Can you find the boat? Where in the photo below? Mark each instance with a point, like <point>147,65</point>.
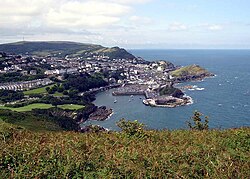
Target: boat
<point>115,101</point>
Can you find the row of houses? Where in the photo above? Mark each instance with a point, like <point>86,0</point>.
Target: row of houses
<point>61,71</point>
<point>25,85</point>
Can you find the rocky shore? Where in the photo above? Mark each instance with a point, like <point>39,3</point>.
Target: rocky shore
<point>100,114</point>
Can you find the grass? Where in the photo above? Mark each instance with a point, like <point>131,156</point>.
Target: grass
<point>41,90</point>
<point>29,107</point>
<point>57,94</point>
<point>71,106</point>
<point>162,154</point>
<point>189,70</point>
<point>43,106</point>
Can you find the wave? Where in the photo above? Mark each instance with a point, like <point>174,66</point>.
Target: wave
<point>199,89</point>
<point>190,100</point>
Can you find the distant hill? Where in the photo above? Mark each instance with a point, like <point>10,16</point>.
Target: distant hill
<point>63,48</point>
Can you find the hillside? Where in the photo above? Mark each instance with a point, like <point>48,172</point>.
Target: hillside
<point>61,49</point>
<point>191,72</point>
<point>159,154</point>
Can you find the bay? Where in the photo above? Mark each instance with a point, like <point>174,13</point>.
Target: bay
<point>225,98</point>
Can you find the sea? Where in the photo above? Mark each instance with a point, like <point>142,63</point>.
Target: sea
<point>225,98</point>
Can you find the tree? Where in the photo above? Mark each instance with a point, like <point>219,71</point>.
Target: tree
<point>65,92</point>
<point>73,93</point>
<point>197,122</point>
<point>60,89</point>
<point>47,89</point>
<point>50,91</point>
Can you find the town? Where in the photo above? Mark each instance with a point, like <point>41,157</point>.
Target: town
<point>132,76</point>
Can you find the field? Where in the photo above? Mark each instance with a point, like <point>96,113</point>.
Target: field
<point>43,106</point>
<point>41,90</point>
<point>57,94</point>
<point>160,154</point>
<point>29,107</point>
<point>70,106</point>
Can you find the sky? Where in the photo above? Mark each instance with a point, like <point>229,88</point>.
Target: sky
<point>151,24</point>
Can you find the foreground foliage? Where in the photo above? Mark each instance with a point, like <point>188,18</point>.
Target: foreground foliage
<point>173,154</point>
<point>197,123</point>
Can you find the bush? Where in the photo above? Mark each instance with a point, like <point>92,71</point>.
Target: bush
<point>131,128</point>
<point>65,92</point>
<point>197,120</point>
<point>60,89</point>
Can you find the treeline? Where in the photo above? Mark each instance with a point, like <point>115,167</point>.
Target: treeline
<point>17,76</point>
<point>84,82</point>
<point>10,96</point>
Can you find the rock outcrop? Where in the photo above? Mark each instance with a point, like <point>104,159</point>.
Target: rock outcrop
<point>100,114</point>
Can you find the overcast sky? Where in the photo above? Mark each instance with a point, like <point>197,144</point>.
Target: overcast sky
<point>129,23</point>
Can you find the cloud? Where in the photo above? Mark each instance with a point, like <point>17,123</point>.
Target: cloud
<point>140,20</point>
<point>176,26</point>
<point>62,16</point>
<point>215,27</point>
<point>211,27</point>
<point>86,14</point>
<point>129,1</point>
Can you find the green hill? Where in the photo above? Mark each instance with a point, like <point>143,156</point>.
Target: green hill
<point>190,72</point>
<point>155,154</point>
<point>62,48</point>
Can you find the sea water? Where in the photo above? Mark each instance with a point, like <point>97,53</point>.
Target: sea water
<point>225,98</point>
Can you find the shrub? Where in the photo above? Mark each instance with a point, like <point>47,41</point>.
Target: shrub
<point>131,128</point>
<point>65,92</point>
<point>197,122</point>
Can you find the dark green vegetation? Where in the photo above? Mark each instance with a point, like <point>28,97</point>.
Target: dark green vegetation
<point>172,91</point>
<point>197,122</point>
<point>17,76</point>
<point>61,49</point>
<point>84,82</point>
<point>9,96</point>
<point>30,121</point>
<point>43,119</point>
<point>156,154</point>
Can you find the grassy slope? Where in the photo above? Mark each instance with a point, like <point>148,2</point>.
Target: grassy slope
<point>41,90</point>
<point>170,154</point>
<point>30,122</point>
<point>189,70</point>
